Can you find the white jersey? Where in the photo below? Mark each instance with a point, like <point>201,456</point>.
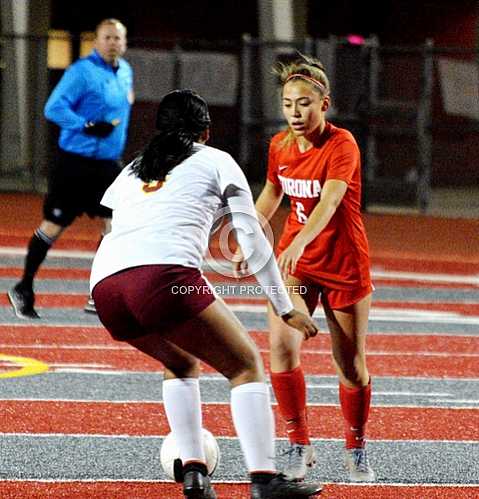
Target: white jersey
<point>170,222</point>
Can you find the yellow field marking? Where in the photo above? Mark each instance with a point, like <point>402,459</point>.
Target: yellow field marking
<point>29,367</point>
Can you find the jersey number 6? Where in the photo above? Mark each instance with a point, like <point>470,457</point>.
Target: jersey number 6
<point>300,215</point>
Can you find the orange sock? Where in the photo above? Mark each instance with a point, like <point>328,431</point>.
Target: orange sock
<point>290,391</point>
<point>355,403</point>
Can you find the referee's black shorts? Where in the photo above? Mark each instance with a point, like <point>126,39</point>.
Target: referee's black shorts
<point>76,185</point>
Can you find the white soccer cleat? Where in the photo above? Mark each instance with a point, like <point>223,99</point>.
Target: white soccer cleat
<point>90,306</point>
<point>357,464</point>
<point>300,458</point>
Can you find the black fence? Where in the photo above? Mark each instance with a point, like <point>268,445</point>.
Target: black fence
<point>412,109</point>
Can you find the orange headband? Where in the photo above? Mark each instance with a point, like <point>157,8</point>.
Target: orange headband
<point>307,78</point>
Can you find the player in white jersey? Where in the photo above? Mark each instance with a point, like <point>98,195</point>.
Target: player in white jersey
<point>164,206</point>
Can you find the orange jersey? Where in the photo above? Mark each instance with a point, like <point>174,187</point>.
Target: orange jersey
<point>339,256</point>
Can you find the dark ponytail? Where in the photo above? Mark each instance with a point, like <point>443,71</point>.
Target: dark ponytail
<point>181,118</point>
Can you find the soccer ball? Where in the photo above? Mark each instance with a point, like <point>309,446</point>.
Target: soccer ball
<point>169,452</point>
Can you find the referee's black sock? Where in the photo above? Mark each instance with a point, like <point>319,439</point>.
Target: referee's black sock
<point>38,248</point>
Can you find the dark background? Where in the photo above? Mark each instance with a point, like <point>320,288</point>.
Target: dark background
<point>449,22</point>
<point>397,23</point>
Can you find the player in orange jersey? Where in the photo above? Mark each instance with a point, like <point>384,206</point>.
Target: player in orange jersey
<point>323,249</point>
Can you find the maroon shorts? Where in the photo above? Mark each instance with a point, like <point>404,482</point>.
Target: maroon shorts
<point>150,298</point>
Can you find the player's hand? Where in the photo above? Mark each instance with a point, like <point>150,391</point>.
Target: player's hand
<point>99,128</point>
<point>302,322</point>
<point>240,265</point>
<point>288,259</point>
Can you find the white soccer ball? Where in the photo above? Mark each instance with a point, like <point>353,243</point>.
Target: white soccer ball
<point>169,452</point>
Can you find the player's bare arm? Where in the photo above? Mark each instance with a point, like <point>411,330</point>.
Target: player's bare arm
<point>268,201</point>
<point>331,196</point>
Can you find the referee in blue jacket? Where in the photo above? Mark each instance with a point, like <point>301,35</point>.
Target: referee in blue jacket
<point>91,104</point>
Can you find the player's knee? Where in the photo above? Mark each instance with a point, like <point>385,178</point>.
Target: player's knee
<point>283,348</point>
<point>353,370</point>
<point>51,229</point>
<point>248,369</point>
<point>186,369</point>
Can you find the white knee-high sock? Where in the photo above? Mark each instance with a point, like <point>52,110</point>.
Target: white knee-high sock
<point>181,397</point>
<point>254,424</point>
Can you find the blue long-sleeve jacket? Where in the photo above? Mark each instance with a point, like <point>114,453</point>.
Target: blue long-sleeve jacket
<point>91,90</point>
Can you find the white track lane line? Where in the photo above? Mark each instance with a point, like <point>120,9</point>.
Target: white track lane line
<point>473,403</point>
<point>239,482</point>
<point>379,273</point>
<point>381,353</point>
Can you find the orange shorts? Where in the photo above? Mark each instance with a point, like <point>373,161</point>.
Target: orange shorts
<point>338,298</point>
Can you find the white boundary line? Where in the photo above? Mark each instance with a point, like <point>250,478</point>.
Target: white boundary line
<point>16,251</point>
<point>56,346</point>
<point>219,437</point>
<point>113,372</point>
<point>226,403</point>
<point>234,482</point>
<point>382,314</point>
<point>419,276</point>
<point>377,315</point>
<point>379,273</point>
<point>334,379</point>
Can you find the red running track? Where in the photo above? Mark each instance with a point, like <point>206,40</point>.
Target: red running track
<point>313,363</point>
<point>148,418</point>
<point>389,355</point>
<point>148,490</point>
<point>64,336</point>
<point>422,244</point>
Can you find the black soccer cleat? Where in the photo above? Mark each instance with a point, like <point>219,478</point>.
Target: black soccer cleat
<point>22,301</point>
<point>178,470</point>
<point>282,488</point>
<point>197,486</point>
